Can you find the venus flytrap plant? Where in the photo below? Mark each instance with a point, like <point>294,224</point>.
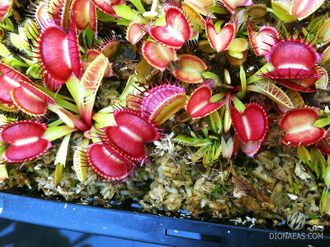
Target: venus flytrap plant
<point>20,136</point>
<point>325,202</point>
<point>293,72</point>
<point>191,69</point>
<point>220,39</point>
<point>290,11</point>
<point>227,147</point>
<point>323,35</point>
<point>157,55</point>
<point>20,42</point>
<point>299,126</point>
<point>20,91</point>
<point>288,70</point>
<point>159,103</point>
<point>325,55</point>
<point>119,132</point>
<point>58,67</point>
<point>122,145</point>
<point>305,157</point>
<point>318,162</point>
<point>263,40</point>
<point>199,103</point>
<point>89,85</point>
<point>84,15</point>
<point>251,125</point>
<point>281,8</point>
<point>237,55</point>
<point>176,31</point>
<point>135,32</point>
<point>210,146</point>
<point>3,170</point>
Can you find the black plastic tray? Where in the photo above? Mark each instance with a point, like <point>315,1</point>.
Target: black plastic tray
<point>131,223</point>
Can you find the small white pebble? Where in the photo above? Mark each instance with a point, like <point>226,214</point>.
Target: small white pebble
<point>293,197</point>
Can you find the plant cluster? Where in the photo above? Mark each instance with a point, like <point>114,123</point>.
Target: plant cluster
<point>62,63</point>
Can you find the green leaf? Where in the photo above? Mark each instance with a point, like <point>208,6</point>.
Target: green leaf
<point>216,122</point>
<point>318,161</point>
<point>53,133</point>
<point>104,119</point>
<point>238,104</point>
<point>202,142</point>
<point>7,24</point>
<point>200,153</point>
<point>326,175</point>
<point>55,123</point>
<point>210,75</point>
<point>303,154</point>
<point>80,162</point>
<point>242,76</point>
<point>3,168</point>
<point>131,87</point>
<point>189,141</point>
<point>13,62</point>
<point>322,122</point>
<point>4,52</point>
<point>314,24</point>
<point>218,25</point>
<point>127,13</point>
<point>325,202</point>
<point>218,10</point>
<point>33,71</point>
<point>88,37</point>
<point>218,148</point>
<point>319,166</point>
<point>20,40</point>
<point>266,68</point>
<point>138,4</point>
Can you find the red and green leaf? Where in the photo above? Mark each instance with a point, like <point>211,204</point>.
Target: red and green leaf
<point>220,40</point>
<point>127,138</point>
<point>157,55</point>
<point>263,40</point>
<point>252,124</point>
<point>25,141</point>
<point>191,69</point>
<point>199,103</point>
<point>298,125</point>
<point>177,30</point>
<point>108,163</point>
<point>84,15</point>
